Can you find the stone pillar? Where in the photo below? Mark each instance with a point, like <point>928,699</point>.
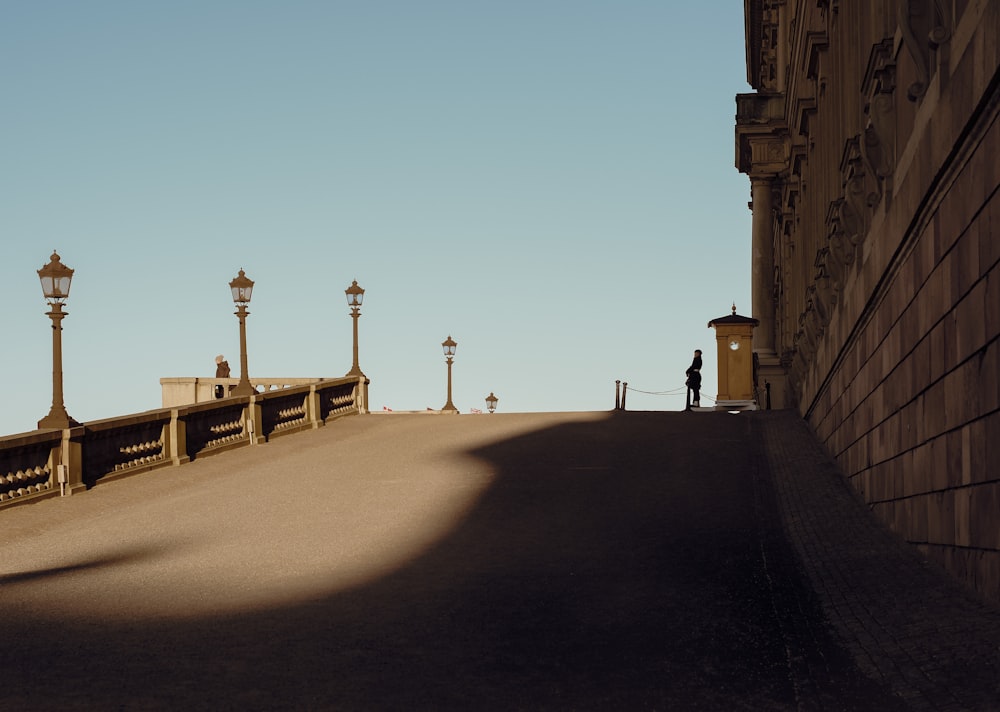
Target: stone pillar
<point>175,438</point>
<point>254,421</point>
<point>762,267</point>
<point>763,154</point>
<point>363,404</point>
<point>67,461</point>
<point>314,410</point>
<point>770,373</point>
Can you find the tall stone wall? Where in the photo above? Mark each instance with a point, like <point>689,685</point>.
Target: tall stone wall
<point>885,239</point>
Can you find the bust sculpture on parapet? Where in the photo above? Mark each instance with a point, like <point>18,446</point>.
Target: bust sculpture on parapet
<point>221,371</point>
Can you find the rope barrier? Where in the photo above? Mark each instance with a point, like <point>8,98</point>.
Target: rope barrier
<point>674,392</point>
<point>682,391</point>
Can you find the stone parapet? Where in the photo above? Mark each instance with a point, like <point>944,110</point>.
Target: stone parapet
<point>47,463</point>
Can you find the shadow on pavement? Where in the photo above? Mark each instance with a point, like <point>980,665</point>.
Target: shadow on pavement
<point>630,563</point>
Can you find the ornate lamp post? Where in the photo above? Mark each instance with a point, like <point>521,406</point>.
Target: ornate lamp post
<point>491,402</point>
<point>449,353</point>
<point>242,288</point>
<point>355,295</point>
<point>56,278</point>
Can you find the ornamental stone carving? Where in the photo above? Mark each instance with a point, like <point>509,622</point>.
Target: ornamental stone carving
<point>826,295</point>
<point>796,374</point>
<point>768,151</point>
<point>817,43</point>
<point>858,193</point>
<point>828,10</point>
<point>805,111</point>
<point>924,25</point>
<point>761,134</point>
<point>820,317</point>
<point>769,38</point>
<point>810,332</point>
<point>878,144</point>
<point>840,250</point>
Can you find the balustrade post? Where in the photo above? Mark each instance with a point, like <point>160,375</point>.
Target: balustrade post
<point>361,397</point>
<point>254,421</point>
<point>66,462</point>
<point>175,439</point>
<point>313,409</point>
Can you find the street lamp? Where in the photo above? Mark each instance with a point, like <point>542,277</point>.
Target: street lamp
<point>491,402</point>
<point>355,295</point>
<point>56,278</point>
<point>449,353</point>
<point>242,288</point>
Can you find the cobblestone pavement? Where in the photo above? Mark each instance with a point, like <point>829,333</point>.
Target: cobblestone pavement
<point>903,620</point>
<point>563,561</point>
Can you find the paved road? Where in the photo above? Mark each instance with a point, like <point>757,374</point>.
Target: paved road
<point>574,561</point>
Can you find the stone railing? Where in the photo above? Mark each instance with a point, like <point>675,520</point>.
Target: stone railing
<point>46,463</point>
<point>187,390</point>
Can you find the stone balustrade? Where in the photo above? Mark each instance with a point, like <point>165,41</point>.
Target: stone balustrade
<point>45,463</point>
<point>187,390</point>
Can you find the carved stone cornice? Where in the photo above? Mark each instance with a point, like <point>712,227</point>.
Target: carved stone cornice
<point>880,75</point>
<point>790,193</point>
<point>816,45</point>
<point>805,110</point>
<point>753,16</point>
<point>761,18</point>
<point>798,160</point>
<point>761,134</point>
<point>768,70</point>
<point>759,109</point>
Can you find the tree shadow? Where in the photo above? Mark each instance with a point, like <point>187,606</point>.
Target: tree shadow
<point>612,564</point>
<point>35,575</point>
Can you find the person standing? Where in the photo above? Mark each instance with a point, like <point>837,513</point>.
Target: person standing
<point>693,381</point>
<point>221,371</point>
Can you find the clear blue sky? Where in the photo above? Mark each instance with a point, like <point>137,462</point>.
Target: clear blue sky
<point>550,182</point>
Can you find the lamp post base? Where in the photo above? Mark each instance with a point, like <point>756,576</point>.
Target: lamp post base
<point>243,389</point>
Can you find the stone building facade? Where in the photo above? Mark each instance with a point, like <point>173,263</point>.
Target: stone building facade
<point>872,145</point>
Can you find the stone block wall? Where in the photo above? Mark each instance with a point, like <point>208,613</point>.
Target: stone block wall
<point>910,402</point>
<point>882,214</point>
<point>913,413</point>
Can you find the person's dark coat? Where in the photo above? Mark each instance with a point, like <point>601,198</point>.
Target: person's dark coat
<point>694,374</point>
